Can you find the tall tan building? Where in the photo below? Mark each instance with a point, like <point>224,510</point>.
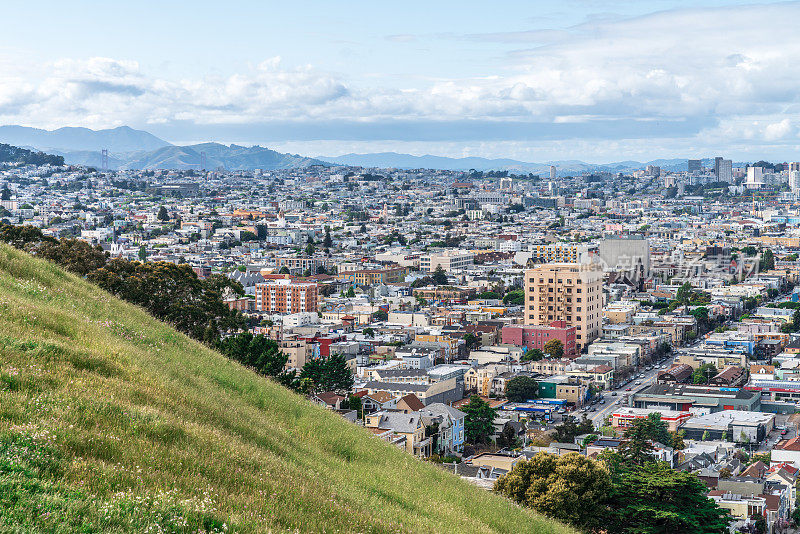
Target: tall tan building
<point>570,292</point>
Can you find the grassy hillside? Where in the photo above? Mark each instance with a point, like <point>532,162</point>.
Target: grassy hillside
<point>112,421</point>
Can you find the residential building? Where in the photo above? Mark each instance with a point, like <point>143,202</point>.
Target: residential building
<point>286,296</point>
<point>567,292</point>
<point>448,260</point>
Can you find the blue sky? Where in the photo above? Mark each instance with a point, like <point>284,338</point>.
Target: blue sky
<point>532,80</point>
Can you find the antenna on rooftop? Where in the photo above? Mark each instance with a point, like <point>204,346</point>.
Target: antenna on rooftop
<point>202,161</point>
<point>104,159</point>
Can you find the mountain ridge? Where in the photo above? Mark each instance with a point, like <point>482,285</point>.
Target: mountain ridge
<point>69,138</point>
<point>138,149</point>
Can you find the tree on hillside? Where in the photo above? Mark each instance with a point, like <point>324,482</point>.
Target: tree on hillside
<point>684,294</point>
<point>74,255</point>
<point>259,352</point>
<point>554,348</point>
<point>507,438</point>
<point>328,374</point>
<point>5,194</point>
<point>173,293</point>
<point>521,389</point>
<point>142,254</point>
<point>328,241</point>
<point>570,488</point>
<point>472,341</point>
<point>478,421</point>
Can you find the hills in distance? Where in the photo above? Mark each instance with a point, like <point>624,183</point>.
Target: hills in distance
<point>137,149</point>
<point>112,421</point>
<point>564,167</point>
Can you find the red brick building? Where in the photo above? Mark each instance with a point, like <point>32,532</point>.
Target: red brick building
<point>535,336</point>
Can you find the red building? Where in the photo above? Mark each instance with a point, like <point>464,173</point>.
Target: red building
<point>535,336</point>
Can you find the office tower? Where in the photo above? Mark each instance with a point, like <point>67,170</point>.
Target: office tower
<point>694,165</point>
<point>794,166</point>
<point>794,181</point>
<point>552,172</point>
<point>755,177</point>
<point>725,171</point>
<point>569,292</point>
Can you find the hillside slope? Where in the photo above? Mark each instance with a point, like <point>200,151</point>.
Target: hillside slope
<point>112,421</point>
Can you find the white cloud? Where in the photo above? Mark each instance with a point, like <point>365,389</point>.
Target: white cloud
<point>726,75</point>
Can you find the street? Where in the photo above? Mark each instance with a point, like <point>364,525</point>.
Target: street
<point>612,402</point>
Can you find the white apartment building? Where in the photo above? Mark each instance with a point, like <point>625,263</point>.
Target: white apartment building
<point>449,260</point>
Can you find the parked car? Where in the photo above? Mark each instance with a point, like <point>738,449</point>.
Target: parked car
<point>614,394</point>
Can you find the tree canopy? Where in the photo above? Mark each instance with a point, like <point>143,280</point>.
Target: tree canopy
<point>328,374</point>
<point>522,388</point>
<point>478,421</point>
<point>571,488</point>
<point>554,348</point>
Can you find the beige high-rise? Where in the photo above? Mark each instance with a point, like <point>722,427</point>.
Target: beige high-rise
<point>570,292</point>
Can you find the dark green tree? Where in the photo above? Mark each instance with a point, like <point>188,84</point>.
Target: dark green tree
<point>684,294</point>
<point>533,355</point>
<point>637,448</point>
<point>514,298</point>
<point>439,276</point>
<point>767,261</point>
<point>571,427</point>
<point>507,438</point>
<point>162,214</point>
<point>173,293</point>
<point>521,389</point>
<point>259,352</point>
<point>704,373</point>
<point>478,420</point>
<point>472,341</point>
<point>655,499</point>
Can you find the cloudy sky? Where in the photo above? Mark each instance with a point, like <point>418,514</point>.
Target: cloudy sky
<point>538,80</point>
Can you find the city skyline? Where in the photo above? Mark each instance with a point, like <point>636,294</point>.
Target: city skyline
<point>599,82</point>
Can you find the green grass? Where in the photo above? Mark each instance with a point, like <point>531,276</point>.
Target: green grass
<point>113,421</point>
